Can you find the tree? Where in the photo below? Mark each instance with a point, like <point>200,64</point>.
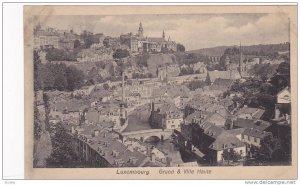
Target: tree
<point>63,154</point>
<point>60,82</point>
<point>186,71</point>
<point>77,44</point>
<point>106,86</point>
<point>208,80</point>
<point>120,53</point>
<point>36,77</point>
<point>231,155</point>
<point>74,78</point>
<point>180,47</point>
<point>37,123</point>
<point>55,54</point>
<point>92,75</point>
<point>87,38</point>
<point>271,149</point>
<point>195,84</point>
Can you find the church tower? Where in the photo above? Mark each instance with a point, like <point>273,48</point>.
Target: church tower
<point>141,31</point>
<point>163,34</point>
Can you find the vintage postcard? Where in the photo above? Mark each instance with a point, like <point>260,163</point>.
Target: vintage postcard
<point>161,92</point>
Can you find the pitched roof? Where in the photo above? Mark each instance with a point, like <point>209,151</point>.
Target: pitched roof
<point>226,140</point>
<point>171,91</point>
<point>223,82</point>
<point>256,113</point>
<point>213,131</point>
<point>111,149</point>
<point>284,89</point>
<point>170,110</point>
<point>197,114</point>
<point>156,39</point>
<point>249,123</point>
<point>256,132</point>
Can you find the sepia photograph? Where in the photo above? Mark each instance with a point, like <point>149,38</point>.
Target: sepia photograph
<point>139,91</point>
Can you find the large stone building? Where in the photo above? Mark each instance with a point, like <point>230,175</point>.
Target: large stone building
<point>139,43</point>
<point>52,38</point>
<point>167,116</point>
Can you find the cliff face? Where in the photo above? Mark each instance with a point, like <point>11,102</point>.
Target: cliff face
<point>153,61</point>
<point>159,59</point>
<point>42,141</point>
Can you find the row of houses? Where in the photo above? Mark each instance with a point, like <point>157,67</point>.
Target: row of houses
<point>98,146</point>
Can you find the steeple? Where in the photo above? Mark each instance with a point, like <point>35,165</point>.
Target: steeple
<point>141,30</point>
<point>163,34</point>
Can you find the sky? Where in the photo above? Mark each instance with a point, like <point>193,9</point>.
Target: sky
<point>194,31</point>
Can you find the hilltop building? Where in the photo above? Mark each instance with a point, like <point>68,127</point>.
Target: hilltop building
<point>52,38</point>
<point>139,43</point>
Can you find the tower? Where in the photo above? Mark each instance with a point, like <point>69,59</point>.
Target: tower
<point>163,34</point>
<point>240,61</point>
<point>141,30</point>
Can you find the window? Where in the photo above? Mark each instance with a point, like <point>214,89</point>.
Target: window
<point>255,140</point>
<point>172,126</point>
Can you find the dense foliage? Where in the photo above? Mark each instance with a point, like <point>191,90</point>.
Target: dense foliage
<point>180,47</point>
<point>231,155</point>
<point>56,76</point>
<point>63,154</point>
<point>120,53</point>
<point>54,54</point>
<point>195,84</point>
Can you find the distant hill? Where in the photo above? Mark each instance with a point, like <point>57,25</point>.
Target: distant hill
<point>215,51</point>
<point>250,50</point>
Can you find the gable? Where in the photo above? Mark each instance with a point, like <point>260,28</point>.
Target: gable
<point>284,96</point>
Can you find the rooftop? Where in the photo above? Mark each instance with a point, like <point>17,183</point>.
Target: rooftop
<point>255,113</point>
<point>256,132</point>
<point>107,145</point>
<point>226,140</point>
<point>249,123</point>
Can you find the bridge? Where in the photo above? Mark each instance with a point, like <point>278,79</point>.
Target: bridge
<point>143,135</point>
